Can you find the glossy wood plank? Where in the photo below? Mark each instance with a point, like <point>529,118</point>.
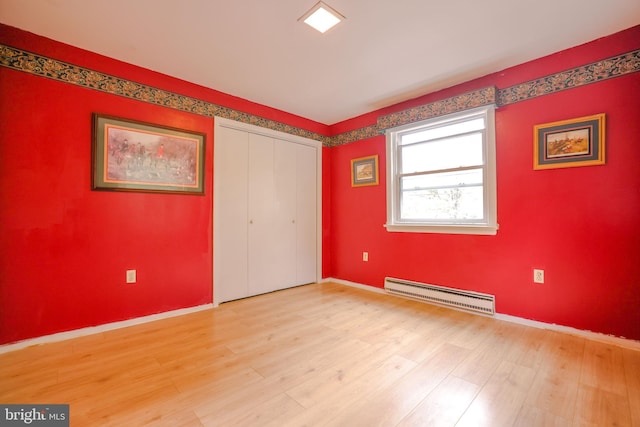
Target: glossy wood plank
<point>632,375</point>
<point>329,355</point>
<point>444,405</point>
<point>599,407</point>
<point>555,388</point>
<point>603,361</point>
<point>390,405</point>
<point>501,398</point>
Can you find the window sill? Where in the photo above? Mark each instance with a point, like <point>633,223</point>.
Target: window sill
<point>488,230</point>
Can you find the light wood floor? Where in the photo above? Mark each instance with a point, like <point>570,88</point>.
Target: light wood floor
<point>329,355</point>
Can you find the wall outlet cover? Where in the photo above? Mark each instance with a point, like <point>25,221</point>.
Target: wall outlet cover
<point>131,276</point>
<point>538,276</point>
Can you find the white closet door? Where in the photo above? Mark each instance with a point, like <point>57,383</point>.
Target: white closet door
<point>306,202</point>
<point>230,251</point>
<point>261,215</point>
<point>266,215</point>
<point>283,241</point>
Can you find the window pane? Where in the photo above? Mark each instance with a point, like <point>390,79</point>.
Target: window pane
<point>440,196</point>
<point>442,131</point>
<point>447,153</point>
<point>458,203</point>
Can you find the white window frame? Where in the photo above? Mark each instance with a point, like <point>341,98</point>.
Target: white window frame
<point>488,225</point>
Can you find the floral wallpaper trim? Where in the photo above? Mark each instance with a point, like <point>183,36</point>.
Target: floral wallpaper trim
<point>591,73</point>
<point>466,101</point>
<point>28,62</point>
<point>612,67</point>
<point>605,69</point>
<point>355,135</point>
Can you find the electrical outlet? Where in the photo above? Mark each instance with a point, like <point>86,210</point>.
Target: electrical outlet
<point>131,276</point>
<point>365,256</point>
<point>538,276</point>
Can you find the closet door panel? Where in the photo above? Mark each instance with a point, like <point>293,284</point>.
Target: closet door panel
<point>306,201</point>
<point>283,242</point>
<point>262,214</point>
<point>231,266</point>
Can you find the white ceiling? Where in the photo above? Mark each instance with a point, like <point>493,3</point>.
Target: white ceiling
<point>384,53</point>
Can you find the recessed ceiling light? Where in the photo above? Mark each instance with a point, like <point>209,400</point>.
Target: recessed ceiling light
<point>322,17</point>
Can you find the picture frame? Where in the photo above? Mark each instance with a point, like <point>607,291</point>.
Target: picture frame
<point>129,155</point>
<point>364,171</point>
<point>569,143</point>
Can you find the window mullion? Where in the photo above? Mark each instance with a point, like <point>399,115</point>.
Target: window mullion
<point>440,187</point>
<point>438,171</point>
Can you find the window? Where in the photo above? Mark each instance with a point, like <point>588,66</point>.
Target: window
<point>441,175</point>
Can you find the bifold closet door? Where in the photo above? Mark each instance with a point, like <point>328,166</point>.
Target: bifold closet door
<point>306,202</point>
<point>231,266</point>
<point>272,210</point>
<point>285,221</point>
<point>265,214</point>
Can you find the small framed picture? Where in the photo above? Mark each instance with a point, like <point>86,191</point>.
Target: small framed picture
<point>569,143</point>
<point>135,156</point>
<point>364,171</point>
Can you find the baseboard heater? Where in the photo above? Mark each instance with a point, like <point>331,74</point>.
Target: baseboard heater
<point>466,300</point>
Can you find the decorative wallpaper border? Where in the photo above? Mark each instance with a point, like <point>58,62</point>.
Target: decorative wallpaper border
<point>605,69</point>
<point>355,135</point>
<point>32,63</point>
<point>466,101</point>
<point>612,67</point>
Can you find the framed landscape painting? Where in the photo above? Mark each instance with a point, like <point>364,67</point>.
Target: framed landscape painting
<point>134,156</point>
<point>569,143</point>
<point>364,171</point>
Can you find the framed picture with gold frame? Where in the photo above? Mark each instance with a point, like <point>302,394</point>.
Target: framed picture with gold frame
<point>364,171</point>
<point>129,155</point>
<point>569,143</point>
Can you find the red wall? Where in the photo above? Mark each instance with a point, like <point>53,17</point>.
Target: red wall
<point>578,224</point>
<point>64,249</point>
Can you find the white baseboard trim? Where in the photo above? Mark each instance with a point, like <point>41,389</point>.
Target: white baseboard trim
<point>62,336</point>
<point>354,285</point>
<point>590,335</point>
<point>594,336</point>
